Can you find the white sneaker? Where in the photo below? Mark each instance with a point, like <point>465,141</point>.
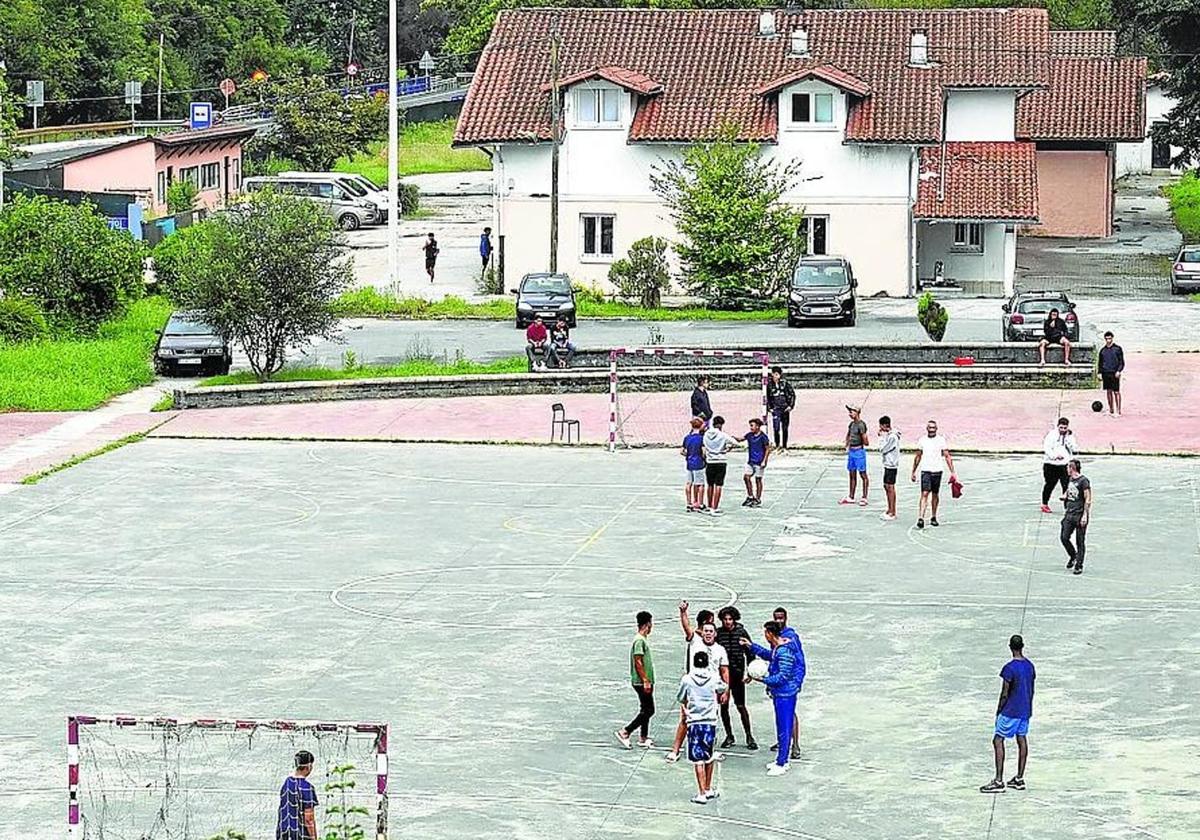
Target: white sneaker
<point>777,770</point>
<point>716,513</point>
<point>646,744</point>
<point>712,794</point>
<point>624,739</point>
<point>672,757</point>
<point>699,799</point>
<point>718,756</point>
<point>887,517</point>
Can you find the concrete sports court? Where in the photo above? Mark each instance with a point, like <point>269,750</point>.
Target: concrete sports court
<point>480,599</point>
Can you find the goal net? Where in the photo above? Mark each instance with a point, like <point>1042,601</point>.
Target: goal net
<point>134,778</point>
<point>650,391</point>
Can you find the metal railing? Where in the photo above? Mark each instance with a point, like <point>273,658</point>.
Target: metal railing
<point>57,133</point>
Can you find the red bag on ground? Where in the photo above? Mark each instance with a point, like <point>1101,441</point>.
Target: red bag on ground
<point>955,487</point>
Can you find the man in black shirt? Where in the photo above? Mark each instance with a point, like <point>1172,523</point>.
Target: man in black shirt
<point>700,406</point>
<point>781,399</point>
<point>1055,335</point>
<point>729,631</point>
<point>1112,362</point>
<point>1077,510</point>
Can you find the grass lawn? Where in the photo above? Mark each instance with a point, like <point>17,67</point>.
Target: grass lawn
<point>1184,196</point>
<point>415,367</point>
<point>424,147</point>
<point>370,302</point>
<point>76,374</point>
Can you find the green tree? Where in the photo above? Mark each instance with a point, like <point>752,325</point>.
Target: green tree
<point>8,122</point>
<point>266,276</point>
<point>740,241</point>
<point>642,275</point>
<point>932,316</point>
<point>67,260</point>
<point>315,125</point>
<point>181,197</point>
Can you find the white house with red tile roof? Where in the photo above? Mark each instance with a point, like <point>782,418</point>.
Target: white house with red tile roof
<point>923,136</point>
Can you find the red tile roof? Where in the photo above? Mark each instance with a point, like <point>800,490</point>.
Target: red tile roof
<point>1083,43</point>
<point>825,72</point>
<point>983,182</point>
<point>1099,99</point>
<point>712,63</point>
<point>631,80</point>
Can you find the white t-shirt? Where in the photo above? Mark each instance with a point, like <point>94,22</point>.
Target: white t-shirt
<point>716,444</point>
<point>717,657</point>
<point>931,453</point>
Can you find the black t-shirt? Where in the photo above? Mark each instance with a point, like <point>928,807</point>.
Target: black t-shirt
<point>728,639</point>
<point>1075,500</point>
<point>1056,330</point>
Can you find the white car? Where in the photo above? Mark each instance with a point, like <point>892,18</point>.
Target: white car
<point>355,184</point>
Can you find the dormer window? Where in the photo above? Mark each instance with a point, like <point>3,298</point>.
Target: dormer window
<point>799,42</point>
<point>598,106</point>
<point>812,108</point>
<point>918,49</point>
<point>766,24</point>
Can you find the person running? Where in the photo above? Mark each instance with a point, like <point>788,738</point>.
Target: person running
<point>641,675</point>
<point>781,399</point>
<point>730,632</point>
<point>485,248</point>
<point>1054,334</point>
<point>1077,510</point>
<point>698,695</point>
<point>1058,447</point>
<point>298,802</point>
<point>783,680</point>
<point>759,446</point>
<point>780,616</point>
<point>693,453</point>
<point>1012,716</point>
<point>1112,362</point>
<point>431,254</point>
<point>931,451</point>
<point>703,640</point>
<point>856,456</point>
<point>717,444</point>
<point>889,454</point>
<point>701,407</point>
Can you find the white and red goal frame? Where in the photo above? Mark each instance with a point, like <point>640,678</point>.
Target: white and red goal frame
<point>379,731</point>
<point>615,355</point>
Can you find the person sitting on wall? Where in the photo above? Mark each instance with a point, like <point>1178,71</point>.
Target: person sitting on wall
<point>1055,336</point>
<point>562,351</point>
<point>536,348</point>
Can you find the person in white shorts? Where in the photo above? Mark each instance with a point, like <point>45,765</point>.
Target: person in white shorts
<point>932,450</point>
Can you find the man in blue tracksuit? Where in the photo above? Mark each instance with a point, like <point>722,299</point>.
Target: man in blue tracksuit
<point>784,678</point>
<point>780,615</point>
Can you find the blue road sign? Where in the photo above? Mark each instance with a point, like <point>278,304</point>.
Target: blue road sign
<point>200,115</point>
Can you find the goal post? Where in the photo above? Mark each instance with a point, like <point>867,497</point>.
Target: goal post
<point>131,776</point>
<point>660,358</point>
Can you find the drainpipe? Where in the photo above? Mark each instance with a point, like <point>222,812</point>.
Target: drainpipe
<point>912,225</point>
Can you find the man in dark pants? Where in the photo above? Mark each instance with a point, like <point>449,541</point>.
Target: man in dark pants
<point>485,247</point>
<point>641,675</point>
<point>729,633</point>
<point>1112,362</point>
<point>1077,511</point>
<point>700,405</point>
<point>1012,716</point>
<point>781,399</point>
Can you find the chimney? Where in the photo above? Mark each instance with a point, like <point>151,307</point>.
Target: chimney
<point>766,24</point>
<point>799,42</point>
<point>918,49</point>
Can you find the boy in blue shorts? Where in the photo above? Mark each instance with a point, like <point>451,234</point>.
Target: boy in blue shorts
<point>1012,716</point>
<point>693,453</point>
<point>759,446</point>
<point>856,456</point>
<point>698,693</point>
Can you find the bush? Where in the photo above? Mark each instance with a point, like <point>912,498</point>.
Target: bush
<point>67,260</point>
<point>933,316</point>
<point>642,276</point>
<point>408,198</point>
<point>488,283</point>
<point>268,166</point>
<point>181,197</point>
<point>1184,196</point>
<point>21,320</point>
<point>175,252</point>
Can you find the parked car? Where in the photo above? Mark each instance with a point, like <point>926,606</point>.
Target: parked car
<point>356,184</point>
<point>1185,274</point>
<point>822,290</point>
<point>546,297</point>
<point>1025,315</point>
<point>187,345</point>
<point>351,211</point>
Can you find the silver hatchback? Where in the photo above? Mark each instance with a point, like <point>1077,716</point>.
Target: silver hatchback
<point>1185,273</point>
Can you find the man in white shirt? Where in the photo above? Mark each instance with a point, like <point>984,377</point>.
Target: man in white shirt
<point>702,638</point>
<point>716,444</point>
<point>1058,448</point>
<point>931,451</point>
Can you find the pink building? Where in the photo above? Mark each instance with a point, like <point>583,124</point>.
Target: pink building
<point>143,166</point>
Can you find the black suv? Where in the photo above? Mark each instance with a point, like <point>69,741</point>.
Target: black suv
<point>822,289</point>
<point>1025,315</point>
<point>546,297</point>
<point>187,345</point>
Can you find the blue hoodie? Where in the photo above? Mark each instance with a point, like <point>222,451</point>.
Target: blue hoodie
<point>785,675</point>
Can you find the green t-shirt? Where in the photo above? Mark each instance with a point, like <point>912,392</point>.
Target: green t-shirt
<point>640,648</point>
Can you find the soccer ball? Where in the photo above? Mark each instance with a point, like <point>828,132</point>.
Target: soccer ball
<point>757,668</point>
<point>1097,405</point>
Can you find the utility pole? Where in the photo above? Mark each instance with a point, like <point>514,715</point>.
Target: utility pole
<point>160,71</point>
<point>350,49</point>
<point>555,138</point>
<point>393,230</point>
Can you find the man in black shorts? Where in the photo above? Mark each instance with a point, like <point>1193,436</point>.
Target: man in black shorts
<point>729,631</point>
<point>716,444</point>
<point>1112,362</point>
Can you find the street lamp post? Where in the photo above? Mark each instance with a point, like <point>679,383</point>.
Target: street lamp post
<point>393,230</point>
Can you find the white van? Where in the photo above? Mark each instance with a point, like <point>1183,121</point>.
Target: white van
<point>355,183</point>
<point>350,209</point>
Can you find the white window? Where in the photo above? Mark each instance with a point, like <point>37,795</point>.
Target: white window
<point>162,187</point>
<point>812,108</point>
<point>968,236</point>
<point>190,173</point>
<point>210,176</point>
<point>597,236</point>
<point>918,50</point>
<point>237,173</point>
<point>814,231</point>
<point>598,106</point>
